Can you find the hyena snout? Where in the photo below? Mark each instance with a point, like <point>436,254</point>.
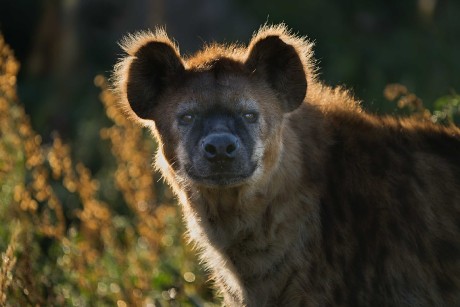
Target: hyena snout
<point>218,147</point>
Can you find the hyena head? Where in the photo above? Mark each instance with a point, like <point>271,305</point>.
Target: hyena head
<point>218,114</point>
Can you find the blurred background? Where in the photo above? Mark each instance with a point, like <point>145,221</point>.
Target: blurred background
<point>364,45</point>
<point>85,221</point>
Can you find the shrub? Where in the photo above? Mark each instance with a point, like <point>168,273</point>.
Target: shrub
<point>63,243</point>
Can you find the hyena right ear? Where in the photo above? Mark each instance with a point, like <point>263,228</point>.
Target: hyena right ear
<point>143,76</point>
<point>281,60</point>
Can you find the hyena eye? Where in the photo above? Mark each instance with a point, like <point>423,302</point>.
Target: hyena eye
<point>186,119</point>
<point>250,117</point>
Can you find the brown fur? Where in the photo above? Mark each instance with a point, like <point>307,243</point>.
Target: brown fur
<point>344,208</point>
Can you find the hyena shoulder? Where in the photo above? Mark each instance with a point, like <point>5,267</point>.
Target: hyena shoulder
<point>293,194</point>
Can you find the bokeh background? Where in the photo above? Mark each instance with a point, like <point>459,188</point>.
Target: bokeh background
<point>364,45</point>
<point>115,235</point>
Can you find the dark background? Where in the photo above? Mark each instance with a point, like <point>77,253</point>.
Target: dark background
<point>128,256</point>
<point>364,45</point>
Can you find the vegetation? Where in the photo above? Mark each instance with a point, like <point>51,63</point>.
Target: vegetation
<point>84,220</point>
<point>62,243</point>
<point>446,108</point>
<point>69,237</point>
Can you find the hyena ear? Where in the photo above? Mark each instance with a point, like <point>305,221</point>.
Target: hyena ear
<point>279,64</point>
<point>148,71</point>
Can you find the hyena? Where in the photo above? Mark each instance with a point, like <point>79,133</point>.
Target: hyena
<point>293,194</point>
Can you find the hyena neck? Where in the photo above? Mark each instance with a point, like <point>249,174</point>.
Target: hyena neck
<point>251,232</point>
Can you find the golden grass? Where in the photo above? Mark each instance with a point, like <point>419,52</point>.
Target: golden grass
<point>446,108</point>
<point>7,264</point>
<point>72,247</point>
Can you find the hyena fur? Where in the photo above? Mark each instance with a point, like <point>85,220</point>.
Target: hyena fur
<point>294,195</point>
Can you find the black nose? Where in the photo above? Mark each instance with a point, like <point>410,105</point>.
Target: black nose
<point>220,146</point>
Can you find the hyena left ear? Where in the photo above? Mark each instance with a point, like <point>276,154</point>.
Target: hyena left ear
<point>145,74</point>
<point>279,64</point>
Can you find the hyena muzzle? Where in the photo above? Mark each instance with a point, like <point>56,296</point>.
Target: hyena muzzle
<point>294,195</point>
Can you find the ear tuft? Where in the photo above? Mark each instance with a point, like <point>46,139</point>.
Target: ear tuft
<point>282,60</point>
<point>141,77</point>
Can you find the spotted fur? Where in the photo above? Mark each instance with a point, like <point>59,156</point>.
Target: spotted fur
<point>344,208</point>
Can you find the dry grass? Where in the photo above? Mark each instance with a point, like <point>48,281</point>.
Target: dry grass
<point>7,265</point>
<point>72,247</point>
<point>446,108</point>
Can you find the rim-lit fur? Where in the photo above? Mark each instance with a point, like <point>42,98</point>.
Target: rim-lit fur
<point>344,209</point>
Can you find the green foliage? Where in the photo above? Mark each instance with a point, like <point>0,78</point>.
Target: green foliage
<point>447,109</point>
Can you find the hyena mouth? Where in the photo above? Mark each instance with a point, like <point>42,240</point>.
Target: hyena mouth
<point>221,178</point>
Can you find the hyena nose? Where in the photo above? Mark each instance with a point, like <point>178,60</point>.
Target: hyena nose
<point>220,146</point>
